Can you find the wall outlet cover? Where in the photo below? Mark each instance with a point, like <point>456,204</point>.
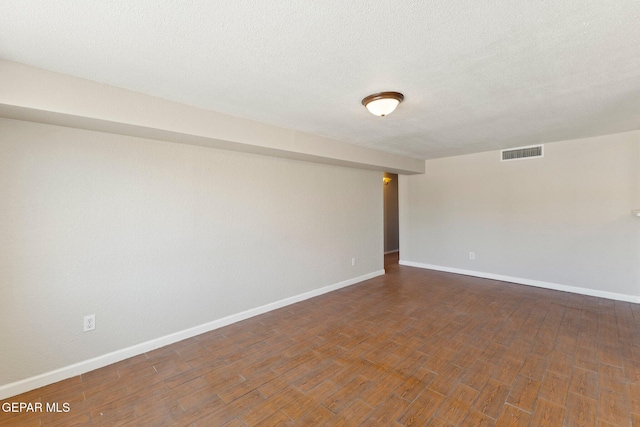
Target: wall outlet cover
<point>89,322</point>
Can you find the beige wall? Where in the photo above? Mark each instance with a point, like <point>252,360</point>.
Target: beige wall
<point>564,219</point>
<point>155,237</point>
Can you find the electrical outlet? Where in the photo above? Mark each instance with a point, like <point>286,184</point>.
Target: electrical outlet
<point>472,255</point>
<point>353,261</point>
<point>89,322</point>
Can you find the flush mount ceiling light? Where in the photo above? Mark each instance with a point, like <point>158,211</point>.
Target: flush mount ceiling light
<point>383,103</point>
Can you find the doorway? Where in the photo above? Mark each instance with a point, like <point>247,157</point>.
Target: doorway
<point>391,219</point>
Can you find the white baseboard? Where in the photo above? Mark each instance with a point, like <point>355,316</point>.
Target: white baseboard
<point>528,282</point>
<point>51,377</point>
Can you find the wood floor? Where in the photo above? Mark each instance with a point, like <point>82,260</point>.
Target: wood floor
<point>414,347</point>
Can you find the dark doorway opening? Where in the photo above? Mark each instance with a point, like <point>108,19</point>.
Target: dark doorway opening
<point>391,218</point>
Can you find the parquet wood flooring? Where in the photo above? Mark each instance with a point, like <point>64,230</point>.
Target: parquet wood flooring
<point>411,348</point>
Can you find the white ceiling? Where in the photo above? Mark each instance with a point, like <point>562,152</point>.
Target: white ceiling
<point>476,75</point>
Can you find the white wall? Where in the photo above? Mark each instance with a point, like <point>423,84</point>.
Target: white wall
<point>155,237</point>
<point>560,221</point>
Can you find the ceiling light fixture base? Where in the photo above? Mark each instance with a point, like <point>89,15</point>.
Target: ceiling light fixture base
<point>382,103</point>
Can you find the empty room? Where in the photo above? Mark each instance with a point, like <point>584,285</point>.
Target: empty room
<point>305,213</point>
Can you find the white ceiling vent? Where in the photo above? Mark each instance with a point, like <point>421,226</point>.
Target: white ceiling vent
<point>521,153</point>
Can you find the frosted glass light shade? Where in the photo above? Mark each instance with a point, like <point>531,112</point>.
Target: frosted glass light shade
<point>383,103</point>
<point>382,107</point>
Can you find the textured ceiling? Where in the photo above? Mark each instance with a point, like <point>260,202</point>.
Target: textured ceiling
<point>476,75</point>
